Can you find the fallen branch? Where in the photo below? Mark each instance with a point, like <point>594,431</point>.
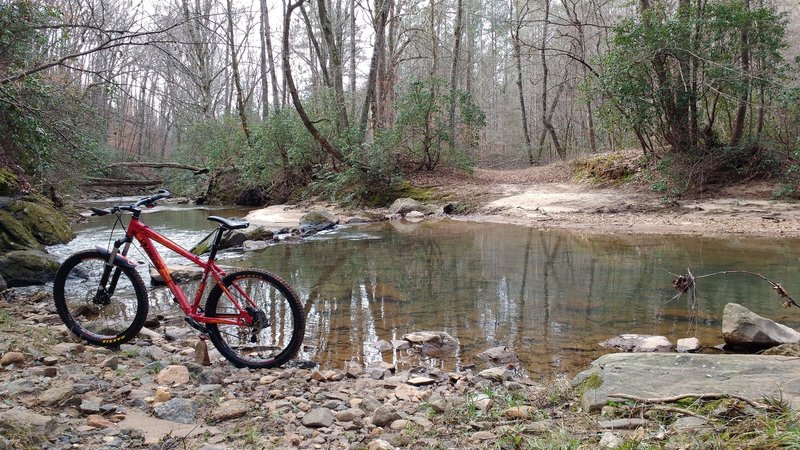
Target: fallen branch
<point>159,165</point>
<point>684,283</point>
<point>122,181</point>
<point>675,398</point>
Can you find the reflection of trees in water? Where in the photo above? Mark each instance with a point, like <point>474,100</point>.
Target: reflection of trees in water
<point>552,295</point>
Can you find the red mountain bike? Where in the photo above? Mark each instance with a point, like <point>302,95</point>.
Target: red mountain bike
<point>253,317</point>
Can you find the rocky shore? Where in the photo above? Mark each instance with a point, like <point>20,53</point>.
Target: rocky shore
<point>166,389</point>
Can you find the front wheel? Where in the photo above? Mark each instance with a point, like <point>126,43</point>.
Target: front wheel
<point>103,314</point>
<point>278,322</point>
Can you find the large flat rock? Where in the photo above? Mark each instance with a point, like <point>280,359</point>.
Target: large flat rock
<point>654,375</point>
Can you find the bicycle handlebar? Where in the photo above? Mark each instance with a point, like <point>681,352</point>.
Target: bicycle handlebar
<point>147,202</point>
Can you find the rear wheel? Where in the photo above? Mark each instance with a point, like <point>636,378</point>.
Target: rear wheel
<point>278,324</point>
<point>101,315</point>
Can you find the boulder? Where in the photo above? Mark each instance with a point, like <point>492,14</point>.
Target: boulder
<point>404,206</point>
<point>433,343</point>
<point>688,345</point>
<point>230,239</point>
<point>27,267</point>
<point>499,355</point>
<point>317,220</point>
<point>638,343</point>
<point>14,235</point>
<point>744,328</point>
<point>45,223</point>
<point>179,274</point>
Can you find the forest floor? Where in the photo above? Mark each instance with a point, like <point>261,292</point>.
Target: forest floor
<point>549,196</point>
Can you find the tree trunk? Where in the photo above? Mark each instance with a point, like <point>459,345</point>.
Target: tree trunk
<point>264,68</point>
<point>327,147</point>
<point>547,112</point>
<point>457,31</point>
<point>336,64</point>
<point>517,45</point>
<point>741,110</point>
<point>240,103</point>
<point>353,62</point>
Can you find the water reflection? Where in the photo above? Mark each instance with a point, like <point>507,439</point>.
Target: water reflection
<point>552,295</point>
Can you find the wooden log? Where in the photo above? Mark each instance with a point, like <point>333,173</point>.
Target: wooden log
<point>121,181</point>
<point>160,165</point>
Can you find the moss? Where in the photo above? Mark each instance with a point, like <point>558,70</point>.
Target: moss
<point>8,182</point>
<point>590,383</point>
<point>14,234</point>
<point>47,225</point>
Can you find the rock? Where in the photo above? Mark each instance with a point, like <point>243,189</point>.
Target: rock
<point>181,410</point>
<point>499,355</point>
<point>437,402</point>
<point>379,444</point>
<point>610,440</point>
<point>259,233</point>
<point>384,415</point>
<point>420,381</point>
<point>254,246</point>
<point>14,235</point>
<point>178,273</point>
<point>316,221</point>
<point>16,358</point>
<point>688,345</point>
<point>403,206</point>
<point>201,353</point>
<point>230,409</point>
<point>743,328</point>
<point>37,214</point>
<point>27,267</point>
<point>91,405</point>
<point>230,239</point>
<point>433,343</point>
<point>56,396</point>
<point>3,284</point>
<point>19,417</point>
<point>783,350</point>
<point>520,412</point>
<point>97,421</point>
<point>495,373</point>
<point>638,343</point>
<point>318,417</point>
<point>173,375</point>
<point>349,414</point>
<point>655,375</point>
<point>112,362</point>
<point>382,346</point>
<point>690,424</point>
<point>161,395</point>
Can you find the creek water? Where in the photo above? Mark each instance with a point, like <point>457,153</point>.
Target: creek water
<point>552,295</point>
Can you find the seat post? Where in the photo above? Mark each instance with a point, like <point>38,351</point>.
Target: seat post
<point>215,244</point>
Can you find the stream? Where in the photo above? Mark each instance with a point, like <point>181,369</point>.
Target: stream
<point>551,295</point>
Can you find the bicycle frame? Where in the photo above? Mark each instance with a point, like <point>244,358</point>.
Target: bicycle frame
<point>145,236</point>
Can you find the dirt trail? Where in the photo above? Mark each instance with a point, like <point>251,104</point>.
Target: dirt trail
<point>536,197</point>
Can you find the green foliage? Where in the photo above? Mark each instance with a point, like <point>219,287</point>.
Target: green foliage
<point>648,74</point>
<point>422,125</point>
<point>46,127</point>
